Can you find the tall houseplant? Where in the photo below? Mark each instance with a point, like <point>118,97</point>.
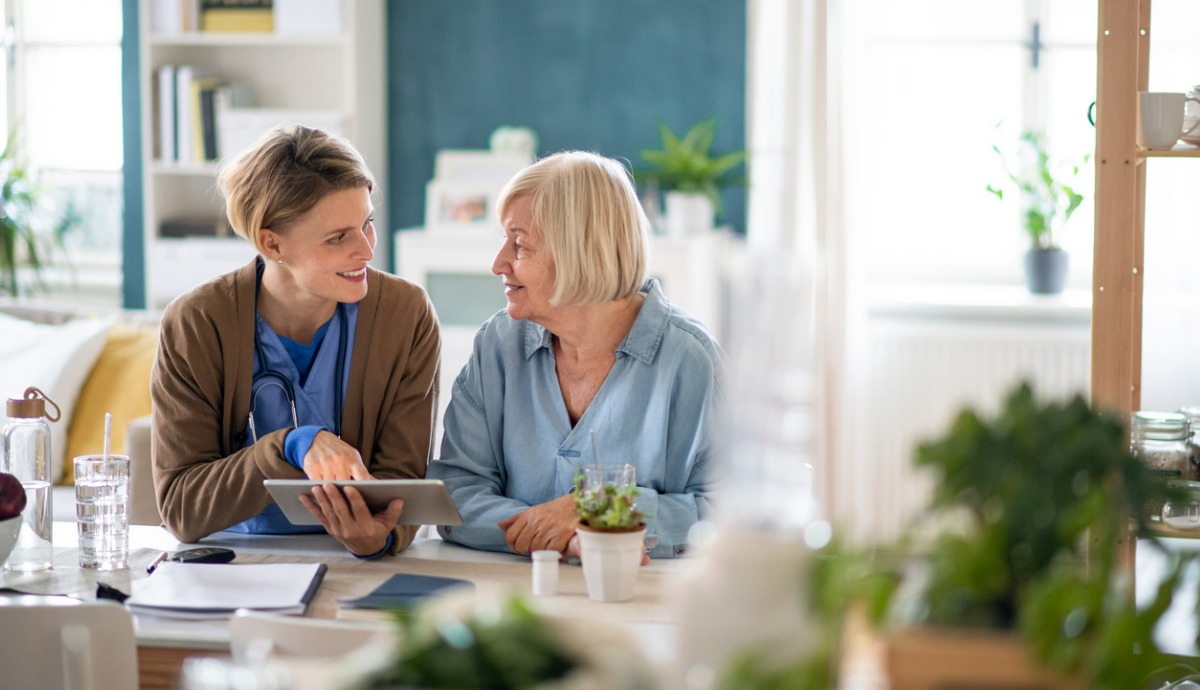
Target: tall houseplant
<point>1045,187</point>
<point>691,176</point>
<point>30,227</point>
<point>1038,499</point>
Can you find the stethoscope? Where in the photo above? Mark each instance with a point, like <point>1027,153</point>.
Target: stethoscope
<point>271,377</point>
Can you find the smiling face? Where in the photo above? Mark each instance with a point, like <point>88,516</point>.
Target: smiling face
<point>325,253</point>
<point>525,265</point>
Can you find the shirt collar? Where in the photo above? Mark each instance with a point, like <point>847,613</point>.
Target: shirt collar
<point>643,338</point>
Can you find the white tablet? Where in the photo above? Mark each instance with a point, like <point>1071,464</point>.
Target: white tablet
<point>426,501</point>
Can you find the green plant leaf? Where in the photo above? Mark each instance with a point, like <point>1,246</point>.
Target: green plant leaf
<point>1043,185</point>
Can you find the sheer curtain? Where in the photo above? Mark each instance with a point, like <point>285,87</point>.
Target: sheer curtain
<point>795,200</point>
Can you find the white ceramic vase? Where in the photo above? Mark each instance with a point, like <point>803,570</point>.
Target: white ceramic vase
<point>688,214</point>
<point>610,562</point>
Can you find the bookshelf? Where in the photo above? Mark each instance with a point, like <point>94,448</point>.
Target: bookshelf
<point>317,75</point>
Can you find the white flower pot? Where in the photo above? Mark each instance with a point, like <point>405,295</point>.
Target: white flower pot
<point>610,562</point>
<point>688,214</point>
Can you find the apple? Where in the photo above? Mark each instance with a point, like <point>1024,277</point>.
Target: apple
<point>12,496</point>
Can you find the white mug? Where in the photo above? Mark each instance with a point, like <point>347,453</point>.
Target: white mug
<point>1160,119</point>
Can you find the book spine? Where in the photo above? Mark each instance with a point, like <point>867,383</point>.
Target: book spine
<point>184,75</point>
<point>208,123</point>
<point>166,114</point>
<point>237,16</point>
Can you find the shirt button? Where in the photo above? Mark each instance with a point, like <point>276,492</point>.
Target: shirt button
<point>449,531</point>
<point>681,549</point>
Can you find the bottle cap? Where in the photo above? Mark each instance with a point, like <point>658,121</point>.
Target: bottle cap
<point>32,406</point>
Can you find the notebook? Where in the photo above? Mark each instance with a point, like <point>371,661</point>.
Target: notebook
<point>399,592</point>
<point>217,590</point>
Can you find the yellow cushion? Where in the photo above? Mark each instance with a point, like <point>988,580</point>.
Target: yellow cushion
<point>118,383</point>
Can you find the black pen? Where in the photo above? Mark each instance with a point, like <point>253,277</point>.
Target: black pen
<point>158,559</point>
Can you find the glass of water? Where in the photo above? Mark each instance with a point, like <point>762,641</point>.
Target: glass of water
<point>102,510</point>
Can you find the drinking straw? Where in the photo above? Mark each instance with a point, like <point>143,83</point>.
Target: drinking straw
<point>107,434</point>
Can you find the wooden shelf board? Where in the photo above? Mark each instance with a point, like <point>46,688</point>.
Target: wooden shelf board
<point>1177,152</point>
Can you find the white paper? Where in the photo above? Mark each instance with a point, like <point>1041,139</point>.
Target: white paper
<point>216,590</point>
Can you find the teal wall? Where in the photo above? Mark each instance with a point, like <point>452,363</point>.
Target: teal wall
<point>584,74</point>
<point>133,240</point>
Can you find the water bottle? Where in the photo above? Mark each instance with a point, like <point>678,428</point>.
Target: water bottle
<point>25,454</point>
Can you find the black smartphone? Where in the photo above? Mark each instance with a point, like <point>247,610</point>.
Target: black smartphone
<point>207,554</point>
<point>204,554</point>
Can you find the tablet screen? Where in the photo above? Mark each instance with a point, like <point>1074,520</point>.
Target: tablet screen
<point>426,501</point>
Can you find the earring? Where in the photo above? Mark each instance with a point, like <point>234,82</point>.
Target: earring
<point>279,261</point>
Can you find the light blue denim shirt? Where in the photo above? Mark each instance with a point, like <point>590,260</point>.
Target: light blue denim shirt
<point>509,443</point>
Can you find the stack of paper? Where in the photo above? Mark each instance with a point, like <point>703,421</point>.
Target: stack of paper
<point>217,590</point>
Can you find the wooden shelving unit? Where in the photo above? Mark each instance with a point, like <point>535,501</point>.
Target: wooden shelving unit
<point>1123,54</point>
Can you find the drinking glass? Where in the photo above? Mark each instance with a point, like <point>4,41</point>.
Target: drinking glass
<point>102,510</point>
<point>598,476</point>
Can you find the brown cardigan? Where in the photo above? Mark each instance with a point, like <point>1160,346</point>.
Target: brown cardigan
<point>204,480</point>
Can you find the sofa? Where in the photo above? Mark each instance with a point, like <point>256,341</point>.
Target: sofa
<point>88,364</point>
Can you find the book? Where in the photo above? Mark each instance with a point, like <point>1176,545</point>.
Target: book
<point>308,17</point>
<point>166,114</point>
<point>236,16</point>
<point>203,118</point>
<point>217,590</point>
<point>166,17</point>
<point>399,592</point>
<point>184,76</point>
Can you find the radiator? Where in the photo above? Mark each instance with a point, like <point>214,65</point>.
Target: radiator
<point>913,378</point>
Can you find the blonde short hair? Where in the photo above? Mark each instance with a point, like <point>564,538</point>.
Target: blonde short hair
<point>284,175</point>
<point>595,230</point>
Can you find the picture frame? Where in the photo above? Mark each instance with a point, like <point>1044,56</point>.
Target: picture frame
<point>460,205</point>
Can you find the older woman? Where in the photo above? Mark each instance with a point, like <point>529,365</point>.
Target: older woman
<point>586,343</point>
<point>306,362</point>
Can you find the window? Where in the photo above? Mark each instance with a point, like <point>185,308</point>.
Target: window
<point>63,94</point>
<point>927,84</point>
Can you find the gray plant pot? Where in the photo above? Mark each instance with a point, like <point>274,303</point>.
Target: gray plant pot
<point>1046,270</point>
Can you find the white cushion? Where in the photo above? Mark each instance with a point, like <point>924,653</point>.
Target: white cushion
<point>54,358</point>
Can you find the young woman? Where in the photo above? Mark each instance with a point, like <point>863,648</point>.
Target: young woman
<point>306,362</point>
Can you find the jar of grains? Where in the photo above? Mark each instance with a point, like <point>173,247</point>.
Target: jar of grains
<point>1160,441</point>
<point>1193,417</point>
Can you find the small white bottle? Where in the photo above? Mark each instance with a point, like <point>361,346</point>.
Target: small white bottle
<point>25,454</point>
<point>545,572</point>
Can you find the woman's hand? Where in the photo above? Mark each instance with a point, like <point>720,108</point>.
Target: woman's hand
<point>344,514</point>
<point>548,525</point>
<point>329,457</point>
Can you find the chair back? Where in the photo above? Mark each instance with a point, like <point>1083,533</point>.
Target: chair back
<point>254,635</point>
<point>56,643</point>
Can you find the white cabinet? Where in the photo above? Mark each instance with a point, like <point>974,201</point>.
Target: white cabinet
<point>454,267</point>
<point>342,72</point>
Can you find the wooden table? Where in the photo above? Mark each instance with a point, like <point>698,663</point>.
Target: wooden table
<point>163,644</point>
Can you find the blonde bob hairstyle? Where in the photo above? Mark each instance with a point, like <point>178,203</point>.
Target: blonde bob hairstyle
<point>588,213</point>
<point>284,175</point>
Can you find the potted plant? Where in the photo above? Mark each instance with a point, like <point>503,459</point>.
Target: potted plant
<point>1032,505</point>
<point>29,226</point>
<point>691,176</point>
<point>611,530</point>
<point>1045,188</point>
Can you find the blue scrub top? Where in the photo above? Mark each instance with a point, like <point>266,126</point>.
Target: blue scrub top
<point>314,399</point>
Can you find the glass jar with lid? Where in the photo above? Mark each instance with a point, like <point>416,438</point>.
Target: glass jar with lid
<point>1191,114</point>
<point>1160,441</point>
<point>1193,417</point>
